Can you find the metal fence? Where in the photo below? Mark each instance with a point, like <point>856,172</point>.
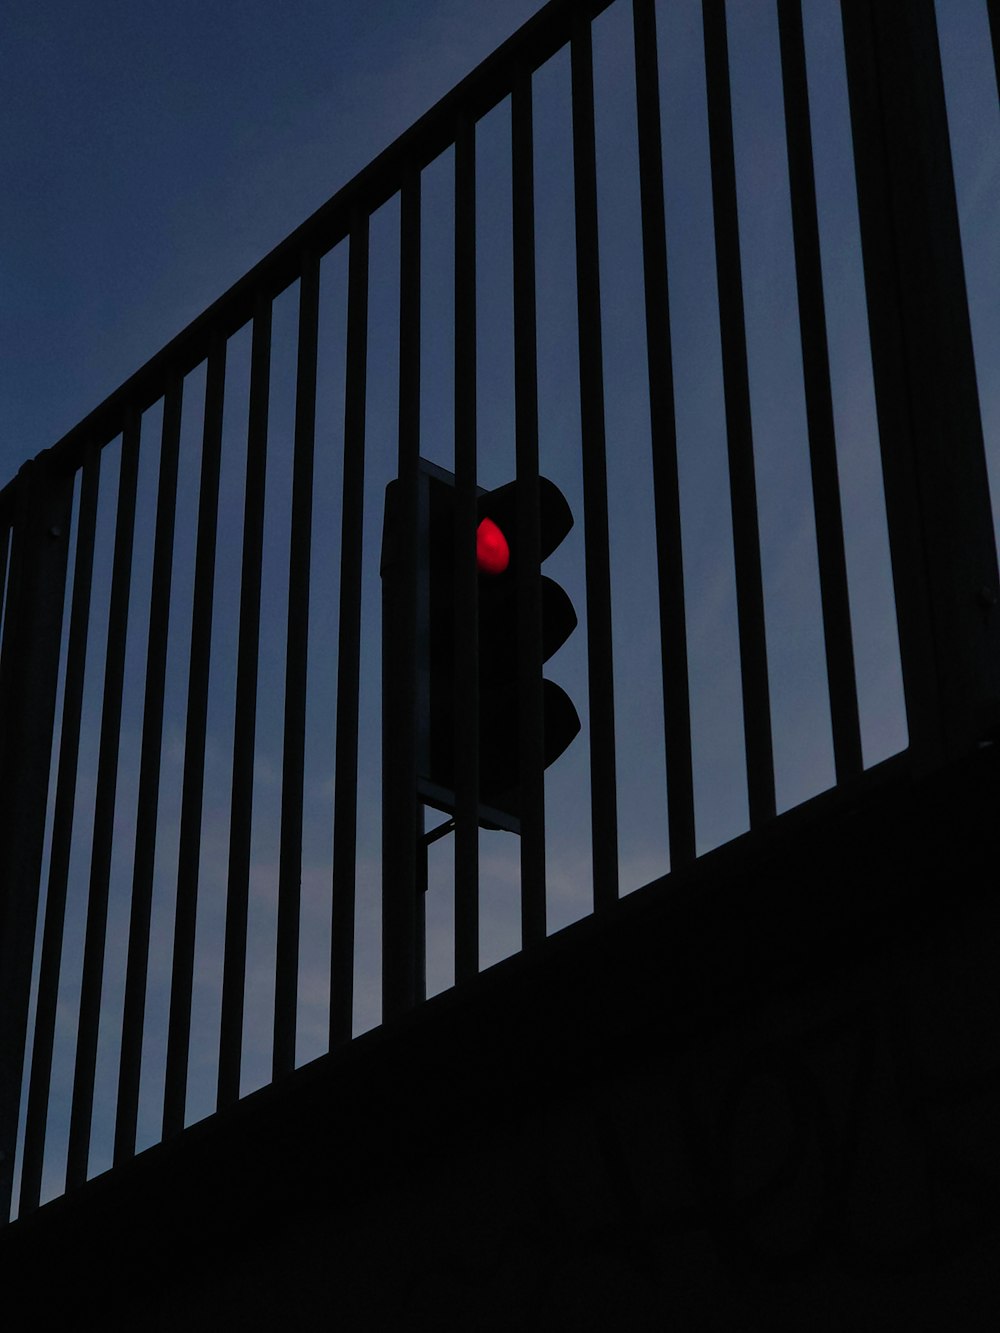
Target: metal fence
<point>87,642</point>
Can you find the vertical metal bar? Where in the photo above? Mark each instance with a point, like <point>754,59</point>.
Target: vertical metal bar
<point>910,576</point>
<point>420,908</point>
<point>601,694</point>
<point>19,519</point>
<point>62,834</point>
<point>941,537</point>
<point>293,761</point>
<point>5,534</point>
<point>399,762</point>
<point>8,652</point>
<point>466,575</point>
<point>531,741</point>
<point>193,784</point>
<point>345,807</point>
<point>241,807</point>
<point>81,1113</point>
<point>837,633</point>
<point>149,780</point>
<point>62,840</point>
<point>29,676</point>
<point>663,430</point>
<point>742,481</point>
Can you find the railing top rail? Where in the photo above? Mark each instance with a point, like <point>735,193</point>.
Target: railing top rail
<point>478,93</point>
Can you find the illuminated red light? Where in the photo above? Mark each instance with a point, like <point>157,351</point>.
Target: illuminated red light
<point>492,551</point>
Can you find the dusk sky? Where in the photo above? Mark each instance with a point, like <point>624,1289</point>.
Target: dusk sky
<point>151,154</point>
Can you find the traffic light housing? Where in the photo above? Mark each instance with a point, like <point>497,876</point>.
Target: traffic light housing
<point>499,560</point>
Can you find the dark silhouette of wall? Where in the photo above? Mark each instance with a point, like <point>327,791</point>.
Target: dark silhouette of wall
<point>763,1097</point>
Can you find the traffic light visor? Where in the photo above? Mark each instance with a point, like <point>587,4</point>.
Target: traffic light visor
<point>501,506</point>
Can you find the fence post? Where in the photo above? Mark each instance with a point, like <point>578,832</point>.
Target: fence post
<point>934,466</point>
<point>29,671</point>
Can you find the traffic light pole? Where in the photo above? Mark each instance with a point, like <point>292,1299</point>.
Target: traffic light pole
<point>402,815</point>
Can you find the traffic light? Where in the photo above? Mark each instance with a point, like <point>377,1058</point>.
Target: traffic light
<point>499,561</point>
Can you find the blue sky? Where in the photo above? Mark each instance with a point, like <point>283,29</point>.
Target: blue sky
<point>151,154</point>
